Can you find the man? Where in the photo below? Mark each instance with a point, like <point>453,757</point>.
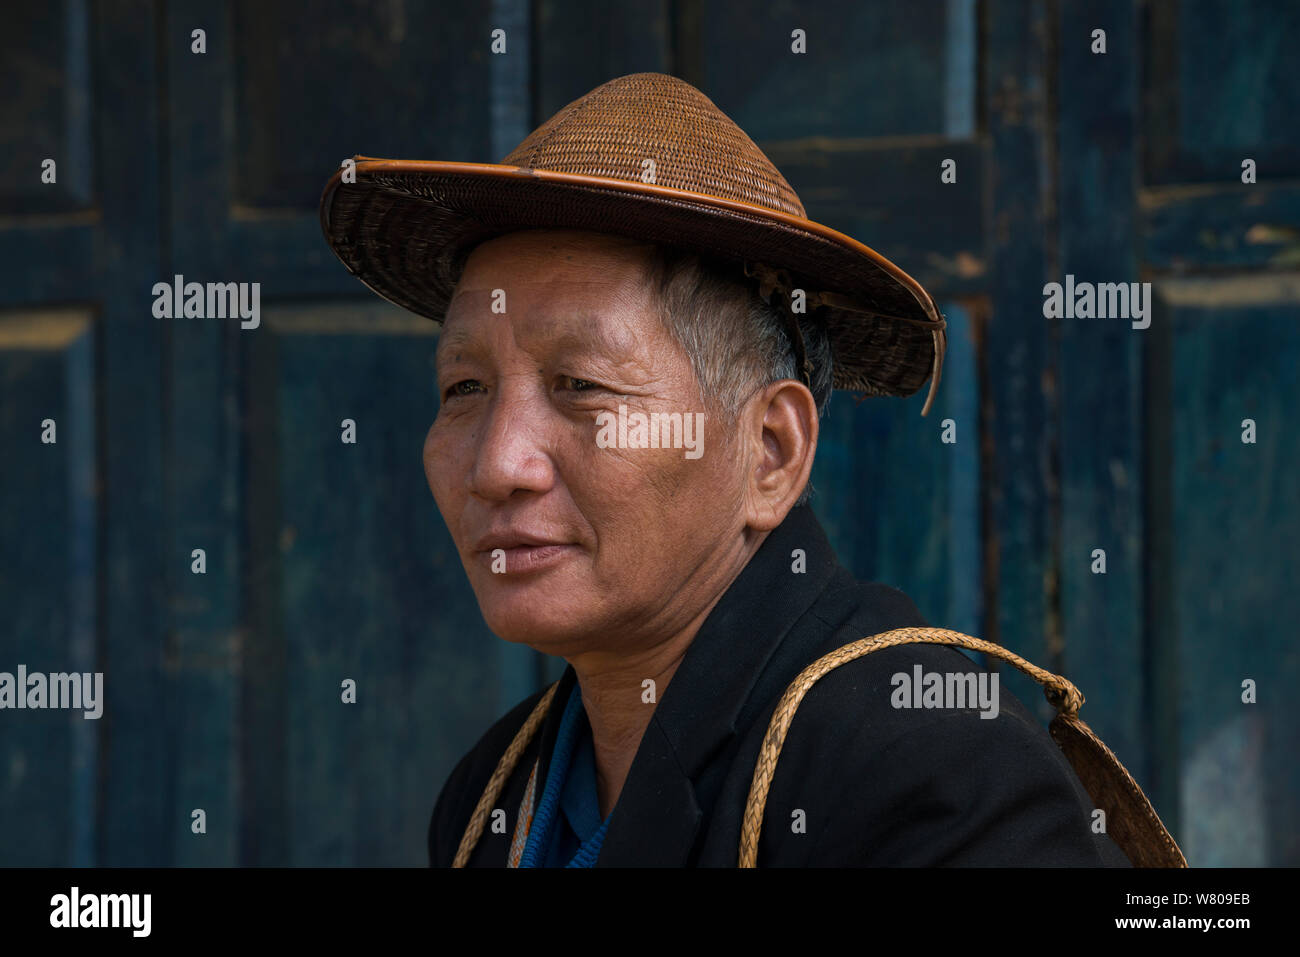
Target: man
<point>632,373</point>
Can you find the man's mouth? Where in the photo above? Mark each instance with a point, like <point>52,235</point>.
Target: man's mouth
<point>526,558</point>
<point>516,551</point>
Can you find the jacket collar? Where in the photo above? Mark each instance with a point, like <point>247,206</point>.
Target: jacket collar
<point>658,814</point>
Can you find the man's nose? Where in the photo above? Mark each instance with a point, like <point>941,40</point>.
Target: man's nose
<point>512,451</point>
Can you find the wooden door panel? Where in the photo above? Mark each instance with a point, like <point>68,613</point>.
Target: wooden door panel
<point>47,582</point>
<point>364,584</point>
<point>1219,88</point>
<point>80,255</point>
<point>1232,347</point>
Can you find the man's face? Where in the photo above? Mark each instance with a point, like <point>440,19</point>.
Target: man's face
<point>514,462</point>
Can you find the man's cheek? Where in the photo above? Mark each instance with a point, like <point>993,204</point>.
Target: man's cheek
<point>606,470</point>
<point>448,451</point>
<point>446,479</point>
<point>666,476</point>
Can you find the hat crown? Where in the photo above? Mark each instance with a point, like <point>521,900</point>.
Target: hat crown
<point>613,130</point>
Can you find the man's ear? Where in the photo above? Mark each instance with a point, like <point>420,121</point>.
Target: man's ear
<point>780,427</point>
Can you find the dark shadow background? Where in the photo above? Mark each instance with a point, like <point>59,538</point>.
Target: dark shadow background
<point>328,561</point>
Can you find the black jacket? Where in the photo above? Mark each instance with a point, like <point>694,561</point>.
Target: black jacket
<point>878,785</point>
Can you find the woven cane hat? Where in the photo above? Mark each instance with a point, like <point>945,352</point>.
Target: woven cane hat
<point>646,156</point>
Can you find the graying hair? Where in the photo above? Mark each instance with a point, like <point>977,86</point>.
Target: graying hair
<point>737,343</point>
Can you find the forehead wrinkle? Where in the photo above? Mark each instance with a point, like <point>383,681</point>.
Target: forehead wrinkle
<point>605,329</point>
<point>589,341</point>
<point>587,334</point>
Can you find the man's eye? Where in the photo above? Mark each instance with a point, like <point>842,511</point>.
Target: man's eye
<point>580,385</point>
<point>459,390</point>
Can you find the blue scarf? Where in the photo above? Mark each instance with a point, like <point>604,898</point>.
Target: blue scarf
<point>569,807</point>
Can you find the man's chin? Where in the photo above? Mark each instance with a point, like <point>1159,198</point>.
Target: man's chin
<point>540,634</point>
<point>538,613</point>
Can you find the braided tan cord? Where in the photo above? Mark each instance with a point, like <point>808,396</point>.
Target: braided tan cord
<point>478,820</point>
<point>1063,695</point>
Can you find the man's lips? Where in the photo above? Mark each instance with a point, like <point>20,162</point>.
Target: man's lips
<point>522,559</point>
<point>513,553</point>
<point>513,539</point>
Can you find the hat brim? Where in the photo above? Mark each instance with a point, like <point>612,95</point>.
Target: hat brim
<point>405,228</point>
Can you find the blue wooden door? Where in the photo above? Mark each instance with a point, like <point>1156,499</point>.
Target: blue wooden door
<point>325,561</point>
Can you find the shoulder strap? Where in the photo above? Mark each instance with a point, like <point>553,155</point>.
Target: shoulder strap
<point>1133,822</point>
<point>478,820</point>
